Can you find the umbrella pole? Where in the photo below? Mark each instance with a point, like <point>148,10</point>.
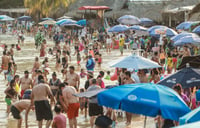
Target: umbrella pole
<point>145,121</point>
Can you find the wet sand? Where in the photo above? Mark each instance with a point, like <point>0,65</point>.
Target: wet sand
<point>25,59</point>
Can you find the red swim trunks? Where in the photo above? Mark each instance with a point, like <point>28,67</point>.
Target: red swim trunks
<point>174,60</point>
<point>72,111</point>
<point>42,53</point>
<point>22,93</point>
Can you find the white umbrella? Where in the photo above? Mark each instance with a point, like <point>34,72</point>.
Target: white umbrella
<point>128,19</point>
<point>48,22</point>
<point>136,62</point>
<point>64,17</point>
<point>6,18</point>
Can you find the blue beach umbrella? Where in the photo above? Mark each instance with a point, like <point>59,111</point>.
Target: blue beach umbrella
<point>196,30</point>
<point>188,40</point>
<point>61,21</point>
<point>187,77</point>
<point>82,22</point>
<point>128,19</point>
<point>138,27</point>
<point>135,62</point>
<point>153,28</point>
<point>156,27</point>
<point>163,31</point>
<point>146,22</point>
<point>24,18</point>
<point>186,25</point>
<point>191,125</point>
<point>198,95</point>
<point>118,28</point>
<point>146,98</point>
<point>65,21</point>
<point>69,21</point>
<point>190,117</point>
<point>181,35</point>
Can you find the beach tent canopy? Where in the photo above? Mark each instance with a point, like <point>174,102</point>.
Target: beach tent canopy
<point>94,8</point>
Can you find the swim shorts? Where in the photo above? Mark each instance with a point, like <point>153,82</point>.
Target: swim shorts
<point>15,112</point>
<point>95,109</point>
<point>43,110</point>
<point>72,110</point>
<point>8,101</point>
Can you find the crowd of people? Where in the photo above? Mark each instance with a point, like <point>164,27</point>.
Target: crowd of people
<point>85,49</point>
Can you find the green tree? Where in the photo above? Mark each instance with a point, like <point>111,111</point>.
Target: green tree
<point>43,8</point>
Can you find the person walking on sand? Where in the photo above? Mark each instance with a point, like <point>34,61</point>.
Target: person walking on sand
<point>66,49</point>
<point>108,44</point>
<point>4,65</point>
<point>36,66</point>
<point>121,44</point>
<point>70,104</point>
<point>12,52</point>
<point>42,49</point>
<point>25,83</point>
<point>90,64</point>
<point>94,108</point>
<point>39,98</point>
<point>72,78</point>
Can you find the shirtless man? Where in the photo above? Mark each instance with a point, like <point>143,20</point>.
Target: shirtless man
<point>36,67</point>
<point>128,80</point>
<point>4,64</point>
<point>67,49</point>
<point>72,78</point>
<point>70,104</point>
<point>25,83</point>
<point>17,108</point>
<point>65,60</point>
<point>12,51</point>
<point>39,98</point>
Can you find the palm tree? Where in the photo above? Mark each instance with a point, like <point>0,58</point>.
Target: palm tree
<point>42,8</point>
